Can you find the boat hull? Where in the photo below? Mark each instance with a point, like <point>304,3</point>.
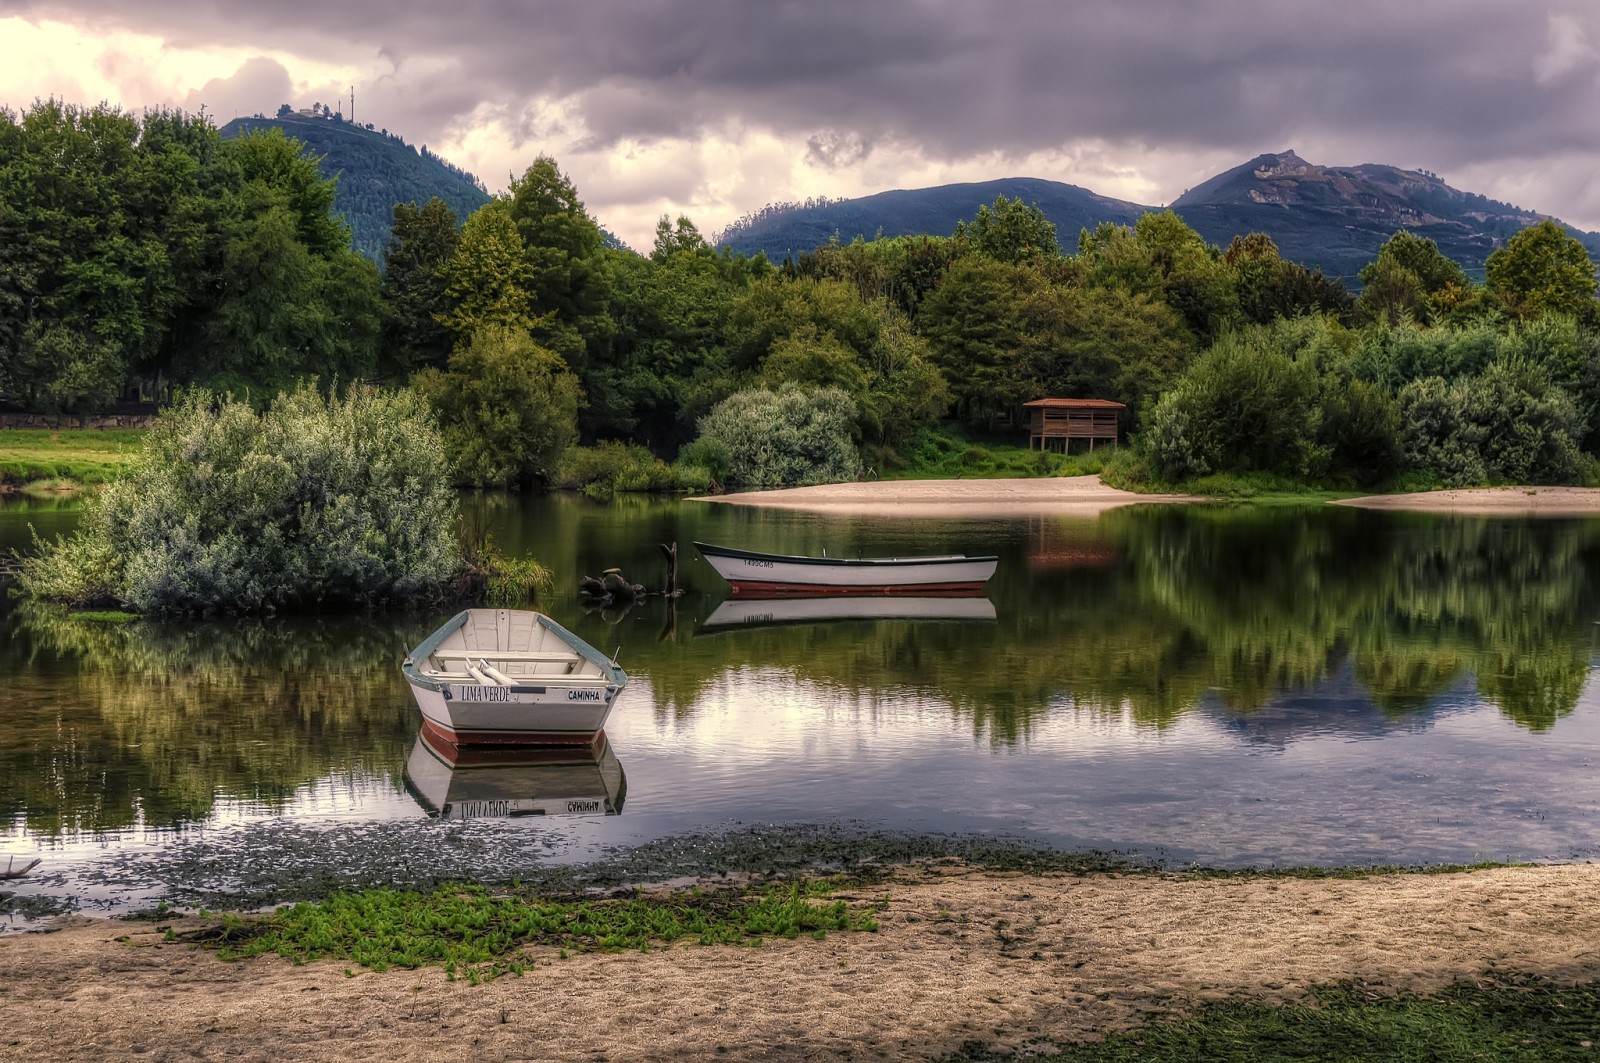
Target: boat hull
<point>510,677</point>
<point>457,713</point>
<point>752,574</point>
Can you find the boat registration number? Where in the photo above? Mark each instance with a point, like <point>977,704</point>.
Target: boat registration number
<point>751,562</point>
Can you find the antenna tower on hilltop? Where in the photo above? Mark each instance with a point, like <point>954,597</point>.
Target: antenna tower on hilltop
<point>352,105</point>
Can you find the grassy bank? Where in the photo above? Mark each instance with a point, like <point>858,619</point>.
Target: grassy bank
<point>478,934</point>
<point>44,457</point>
<point>949,451</point>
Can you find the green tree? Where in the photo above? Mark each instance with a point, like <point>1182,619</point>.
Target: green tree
<point>1409,280</point>
<point>677,239</point>
<point>1542,269</point>
<point>1009,231</point>
<point>508,407</point>
<point>1269,287</point>
<point>1244,405</point>
<point>566,281</point>
<point>488,277</point>
<point>416,266</point>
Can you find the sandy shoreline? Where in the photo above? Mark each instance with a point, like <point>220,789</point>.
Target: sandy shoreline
<point>1491,501</point>
<point>1079,495</point>
<point>962,955</point>
<point>1088,496</point>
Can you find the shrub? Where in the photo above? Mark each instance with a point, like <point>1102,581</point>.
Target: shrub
<point>1509,423</point>
<point>783,438</point>
<point>316,500</point>
<point>608,467</point>
<point>1243,406</point>
<point>1361,432</point>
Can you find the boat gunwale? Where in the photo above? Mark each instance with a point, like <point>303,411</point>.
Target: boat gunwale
<point>709,550</point>
<point>613,675</point>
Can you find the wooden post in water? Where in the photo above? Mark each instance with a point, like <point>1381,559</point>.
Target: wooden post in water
<point>671,550</point>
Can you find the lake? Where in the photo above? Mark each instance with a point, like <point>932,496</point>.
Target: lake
<point>1221,685</point>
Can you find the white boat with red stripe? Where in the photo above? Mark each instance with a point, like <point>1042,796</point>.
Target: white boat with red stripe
<point>509,677</point>
<point>753,574</point>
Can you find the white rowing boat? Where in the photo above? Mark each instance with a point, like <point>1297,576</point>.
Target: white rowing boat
<point>511,676</point>
<point>750,573</point>
<point>454,783</point>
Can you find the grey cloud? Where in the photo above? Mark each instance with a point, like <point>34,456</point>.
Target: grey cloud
<point>259,85</point>
<point>1449,82</point>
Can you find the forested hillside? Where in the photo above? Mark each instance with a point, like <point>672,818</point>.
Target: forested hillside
<point>375,170</point>
<point>152,248</point>
<point>1331,218</point>
<point>785,230</point>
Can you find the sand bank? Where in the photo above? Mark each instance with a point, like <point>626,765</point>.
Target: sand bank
<point>1492,501</point>
<point>962,955</point>
<point>1081,495</point>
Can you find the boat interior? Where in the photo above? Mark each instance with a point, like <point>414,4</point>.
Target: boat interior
<point>507,647</point>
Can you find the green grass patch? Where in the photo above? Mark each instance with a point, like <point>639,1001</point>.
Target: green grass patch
<point>83,456</point>
<point>477,934</point>
<point>104,616</point>
<point>953,452</point>
<point>1511,1019</point>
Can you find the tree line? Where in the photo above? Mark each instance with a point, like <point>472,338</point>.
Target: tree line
<point>149,249</point>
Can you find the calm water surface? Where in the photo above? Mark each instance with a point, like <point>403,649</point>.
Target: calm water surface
<point>1229,686</point>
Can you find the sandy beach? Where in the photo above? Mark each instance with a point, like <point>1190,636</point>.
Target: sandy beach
<point>1074,495</point>
<point>1491,501</point>
<point>963,955</point>
<point>1088,496</point>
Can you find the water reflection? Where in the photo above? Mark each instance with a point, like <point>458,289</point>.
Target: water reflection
<point>1158,652</point>
<point>114,726</point>
<point>454,783</point>
<point>745,612</point>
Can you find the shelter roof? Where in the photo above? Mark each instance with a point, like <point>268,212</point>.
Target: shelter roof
<point>1075,404</point>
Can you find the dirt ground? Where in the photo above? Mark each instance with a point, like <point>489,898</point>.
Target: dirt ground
<point>1082,495</point>
<point>962,955</point>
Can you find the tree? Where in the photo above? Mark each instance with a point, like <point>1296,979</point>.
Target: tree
<point>565,278</point>
<point>416,263</point>
<point>1009,231</point>
<point>1543,269</point>
<point>682,238</point>
<point>976,327</point>
<point>1409,280</point>
<point>488,277</point>
<point>1270,287</point>
<point>508,407</point>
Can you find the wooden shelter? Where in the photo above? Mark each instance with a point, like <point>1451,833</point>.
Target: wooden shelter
<point>1069,419</point>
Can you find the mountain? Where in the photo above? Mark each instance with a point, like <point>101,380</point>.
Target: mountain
<point>1338,216</point>
<point>789,229</point>
<point>1333,217</point>
<point>376,169</point>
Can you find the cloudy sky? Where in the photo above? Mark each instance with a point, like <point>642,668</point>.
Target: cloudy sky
<point>715,108</point>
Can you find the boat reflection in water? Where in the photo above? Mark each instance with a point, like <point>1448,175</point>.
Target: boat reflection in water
<point>747,612</point>
<point>452,782</point>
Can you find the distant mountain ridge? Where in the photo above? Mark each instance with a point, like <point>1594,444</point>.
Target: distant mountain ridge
<point>1333,217</point>
<point>375,169</point>
<point>792,229</point>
